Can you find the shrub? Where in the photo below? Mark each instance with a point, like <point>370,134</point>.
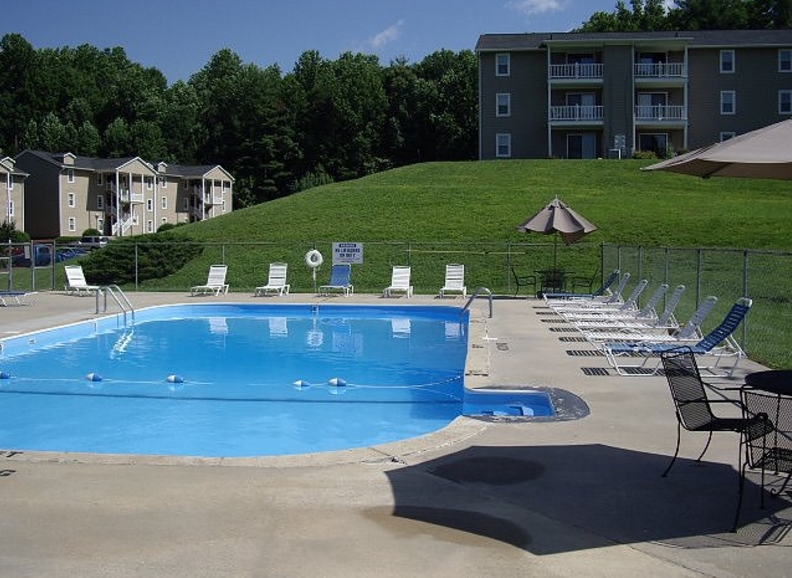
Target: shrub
<point>92,233</point>
<point>158,255</point>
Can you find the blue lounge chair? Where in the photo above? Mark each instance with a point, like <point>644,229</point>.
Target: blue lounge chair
<point>340,280</point>
<point>719,343</point>
<point>8,298</point>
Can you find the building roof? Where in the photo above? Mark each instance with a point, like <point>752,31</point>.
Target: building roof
<point>691,38</point>
<point>101,165</point>
<point>191,171</point>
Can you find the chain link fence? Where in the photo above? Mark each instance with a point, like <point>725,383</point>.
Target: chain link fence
<point>725,273</point>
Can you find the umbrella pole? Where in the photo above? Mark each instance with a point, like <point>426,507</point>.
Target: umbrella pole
<point>555,251</point>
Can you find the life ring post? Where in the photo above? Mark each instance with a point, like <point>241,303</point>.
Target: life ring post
<point>314,259</point>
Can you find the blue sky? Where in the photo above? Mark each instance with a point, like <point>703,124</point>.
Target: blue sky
<point>179,37</point>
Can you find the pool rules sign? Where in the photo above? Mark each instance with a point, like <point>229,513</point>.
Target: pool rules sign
<point>347,253</point>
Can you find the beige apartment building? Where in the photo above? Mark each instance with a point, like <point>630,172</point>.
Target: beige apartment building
<point>592,95</point>
<point>14,200</point>
<point>67,194</point>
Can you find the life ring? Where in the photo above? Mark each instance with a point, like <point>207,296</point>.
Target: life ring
<point>313,258</point>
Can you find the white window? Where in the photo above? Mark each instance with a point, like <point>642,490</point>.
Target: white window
<point>164,203</point>
<point>71,200</point>
<point>727,61</point>
<point>149,226</point>
<point>164,220</point>
<point>100,202</point>
<point>72,224</point>
<point>100,224</point>
<point>502,64</point>
<point>726,135</point>
<point>149,183</point>
<point>186,204</point>
<point>10,208</point>
<point>728,102</point>
<point>503,145</point>
<point>785,102</point>
<point>163,183</point>
<point>785,60</point>
<point>70,175</point>
<point>503,106</point>
<point>149,205</point>
<point>99,178</point>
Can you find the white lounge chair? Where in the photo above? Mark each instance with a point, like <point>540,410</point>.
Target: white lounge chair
<point>215,282</point>
<point>276,282</point>
<point>400,282</point>
<point>454,280</point>
<point>76,283</point>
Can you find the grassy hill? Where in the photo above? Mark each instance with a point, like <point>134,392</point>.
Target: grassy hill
<point>485,201</point>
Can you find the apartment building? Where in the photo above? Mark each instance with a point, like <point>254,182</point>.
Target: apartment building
<point>67,194</point>
<point>591,95</point>
<point>14,180</point>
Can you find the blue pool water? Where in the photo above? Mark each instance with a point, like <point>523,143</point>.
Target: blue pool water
<point>235,380</point>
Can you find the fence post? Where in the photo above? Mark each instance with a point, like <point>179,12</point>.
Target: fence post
<point>699,266</point>
<point>136,266</point>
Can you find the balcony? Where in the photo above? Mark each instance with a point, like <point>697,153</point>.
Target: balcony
<point>673,73</point>
<point>576,72</point>
<point>661,114</point>
<point>125,194</point>
<point>576,114</point>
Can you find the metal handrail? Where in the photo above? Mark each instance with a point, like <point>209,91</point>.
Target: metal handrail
<point>114,291</point>
<point>476,294</point>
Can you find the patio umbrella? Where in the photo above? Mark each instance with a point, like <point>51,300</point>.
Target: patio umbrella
<point>557,217</point>
<point>761,154</point>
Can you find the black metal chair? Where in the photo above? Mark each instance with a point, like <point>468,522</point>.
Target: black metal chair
<point>579,283</point>
<point>523,281</point>
<point>691,403</point>
<point>767,440</point>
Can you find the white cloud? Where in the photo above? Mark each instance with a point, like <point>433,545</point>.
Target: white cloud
<point>387,36</point>
<point>530,7</point>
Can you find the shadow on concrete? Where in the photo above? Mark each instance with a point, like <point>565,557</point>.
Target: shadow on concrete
<point>552,499</point>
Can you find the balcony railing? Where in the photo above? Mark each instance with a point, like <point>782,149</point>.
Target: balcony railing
<point>661,112</point>
<point>576,113</point>
<point>660,70</point>
<point>130,197</point>
<point>576,71</point>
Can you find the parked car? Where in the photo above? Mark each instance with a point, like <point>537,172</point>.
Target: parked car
<point>42,255</point>
<point>94,242</point>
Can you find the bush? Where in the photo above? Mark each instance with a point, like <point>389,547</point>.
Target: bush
<point>158,255</point>
<point>645,155</point>
<point>92,233</point>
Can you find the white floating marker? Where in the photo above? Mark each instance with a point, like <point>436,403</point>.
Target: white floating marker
<point>93,377</point>
<point>5,375</point>
<point>336,382</point>
<point>301,384</point>
<point>173,378</point>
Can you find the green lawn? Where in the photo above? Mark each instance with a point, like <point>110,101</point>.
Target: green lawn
<point>485,201</point>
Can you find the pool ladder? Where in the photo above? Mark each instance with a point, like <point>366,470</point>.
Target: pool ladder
<point>476,293</point>
<point>119,297</point>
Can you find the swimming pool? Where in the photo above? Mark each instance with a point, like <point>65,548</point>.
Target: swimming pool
<point>235,380</point>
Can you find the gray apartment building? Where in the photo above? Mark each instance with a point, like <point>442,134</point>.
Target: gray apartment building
<point>591,95</point>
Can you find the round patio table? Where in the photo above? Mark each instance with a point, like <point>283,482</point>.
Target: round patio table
<point>775,381</point>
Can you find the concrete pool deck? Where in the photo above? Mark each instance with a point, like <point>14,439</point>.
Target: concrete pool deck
<point>484,497</point>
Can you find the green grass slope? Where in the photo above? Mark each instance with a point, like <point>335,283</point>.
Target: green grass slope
<point>485,201</point>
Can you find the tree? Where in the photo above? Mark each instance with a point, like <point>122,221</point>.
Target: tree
<point>709,14</point>
<point>645,16</point>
